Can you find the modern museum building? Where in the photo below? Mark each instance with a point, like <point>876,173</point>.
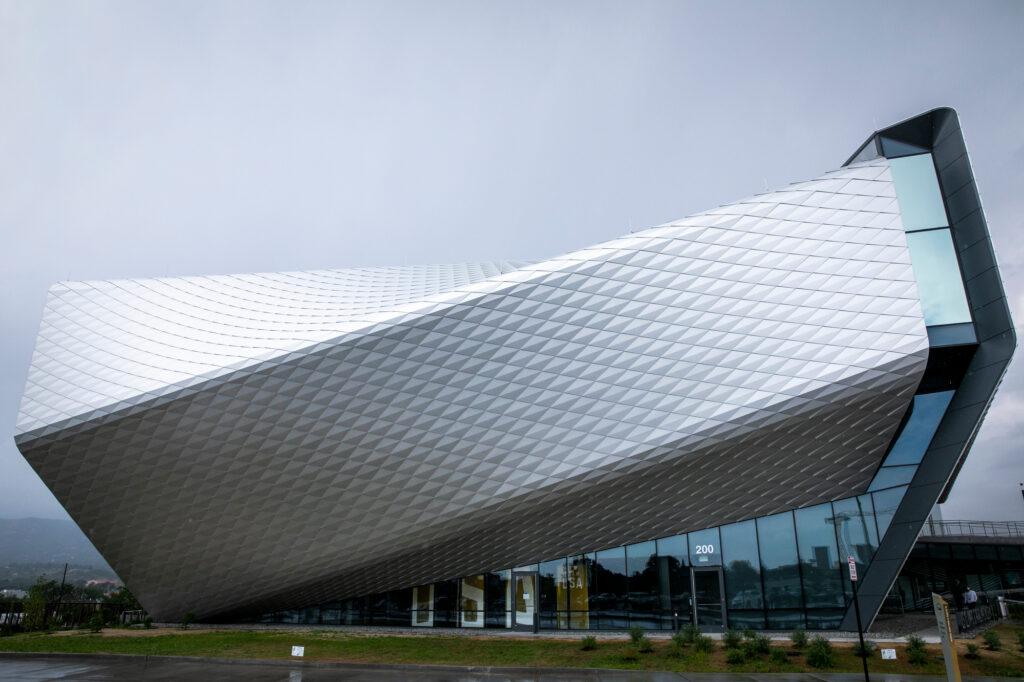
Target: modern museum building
<point>697,422</point>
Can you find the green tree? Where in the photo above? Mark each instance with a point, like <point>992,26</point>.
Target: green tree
<point>41,593</point>
<point>123,598</point>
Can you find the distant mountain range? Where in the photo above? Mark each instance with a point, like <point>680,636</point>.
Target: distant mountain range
<point>30,548</point>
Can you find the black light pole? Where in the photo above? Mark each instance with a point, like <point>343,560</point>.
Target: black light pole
<point>856,609</point>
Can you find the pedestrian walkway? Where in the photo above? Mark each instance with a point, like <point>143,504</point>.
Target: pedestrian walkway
<point>77,668</point>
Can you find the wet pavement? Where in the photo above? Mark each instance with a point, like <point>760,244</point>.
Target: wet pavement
<point>31,668</point>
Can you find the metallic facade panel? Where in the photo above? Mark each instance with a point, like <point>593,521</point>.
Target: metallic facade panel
<point>235,443</point>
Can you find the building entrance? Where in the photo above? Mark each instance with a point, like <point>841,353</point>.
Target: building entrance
<point>524,600</point>
<point>708,599</point>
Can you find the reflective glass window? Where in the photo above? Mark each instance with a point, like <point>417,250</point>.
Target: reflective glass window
<point>742,575</point>
<point>705,549</point>
<point>446,599</point>
<point>553,593</point>
<point>497,598</point>
<point>926,412</point>
<point>856,534</point>
<point>819,557</point>
<point>939,282</point>
<point>887,477</point>
<point>918,193</point>
<point>642,573</point>
<point>471,594</point>
<point>886,503</point>
<point>674,580</point>
<point>779,561</point>
<point>579,591</point>
<point>608,595</point>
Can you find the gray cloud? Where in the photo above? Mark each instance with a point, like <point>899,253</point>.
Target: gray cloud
<point>141,139</point>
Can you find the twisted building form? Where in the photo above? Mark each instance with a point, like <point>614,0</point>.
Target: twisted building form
<point>698,421</point>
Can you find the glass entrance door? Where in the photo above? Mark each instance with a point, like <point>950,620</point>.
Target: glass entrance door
<point>708,605</point>
<point>524,600</point>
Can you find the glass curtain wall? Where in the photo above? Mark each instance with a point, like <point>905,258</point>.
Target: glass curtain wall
<point>779,572</point>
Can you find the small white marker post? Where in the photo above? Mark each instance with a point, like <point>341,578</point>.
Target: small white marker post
<point>298,651</point>
<point>856,607</point>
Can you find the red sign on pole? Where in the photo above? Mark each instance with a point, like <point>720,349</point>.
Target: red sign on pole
<point>853,568</point>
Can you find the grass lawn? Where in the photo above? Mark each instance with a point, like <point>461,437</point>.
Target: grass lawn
<point>491,651</point>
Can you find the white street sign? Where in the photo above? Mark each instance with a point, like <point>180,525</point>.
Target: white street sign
<point>298,651</point>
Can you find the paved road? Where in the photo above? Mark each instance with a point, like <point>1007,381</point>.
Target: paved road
<point>77,668</point>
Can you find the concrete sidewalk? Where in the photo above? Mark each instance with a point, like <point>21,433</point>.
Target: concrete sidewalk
<point>38,667</point>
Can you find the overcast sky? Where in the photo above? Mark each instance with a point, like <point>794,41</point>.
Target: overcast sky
<point>147,139</point>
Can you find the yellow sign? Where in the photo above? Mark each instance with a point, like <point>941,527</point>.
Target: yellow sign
<point>946,635</point>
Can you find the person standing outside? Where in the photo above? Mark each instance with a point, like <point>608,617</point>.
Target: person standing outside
<point>971,598</point>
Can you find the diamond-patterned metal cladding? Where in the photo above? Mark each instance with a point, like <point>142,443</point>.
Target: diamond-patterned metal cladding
<point>242,443</point>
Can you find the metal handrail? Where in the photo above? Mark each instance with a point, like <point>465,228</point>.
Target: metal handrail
<point>1000,529</point>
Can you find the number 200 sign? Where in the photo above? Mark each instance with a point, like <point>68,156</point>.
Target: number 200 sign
<point>703,551</point>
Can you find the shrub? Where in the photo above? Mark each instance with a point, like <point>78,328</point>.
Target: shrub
<point>645,645</point>
<point>636,633</point>
<point>187,620</point>
<point>866,651</point>
<point>778,657</point>
<point>735,657</point>
<point>703,644</point>
<point>749,634</point>
<point>758,645</point>
<point>917,656</point>
<point>820,654</point>
<point>914,643</point>
<point>95,623</point>
<point>992,641</point>
<point>731,639</point>
<point>799,639</point>
<point>690,633</point>
<point>676,650</point>
<point>588,643</point>
<point>1020,639</point>
<point>148,623</point>
<point>973,651</point>
<point>681,639</point>
<point>630,655</point>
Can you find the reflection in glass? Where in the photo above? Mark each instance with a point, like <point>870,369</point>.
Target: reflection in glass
<point>855,533</point>
<point>705,549</point>
<point>917,190</point>
<point>554,591</point>
<point>579,593</point>
<point>939,282</point>
<point>471,613</point>
<point>642,572</point>
<point>887,477</point>
<point>446,600</point>
<point>524,597</point>
<point>674,581</point>
<point>423,606</point>
<point>608,590</point>
<point>707,596</point>
<point>819,557</point>
<point>779,561</point>
<point>742,575</point>
<point>886,502</point>
<point>498,597</point>
<point>927,411</point>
